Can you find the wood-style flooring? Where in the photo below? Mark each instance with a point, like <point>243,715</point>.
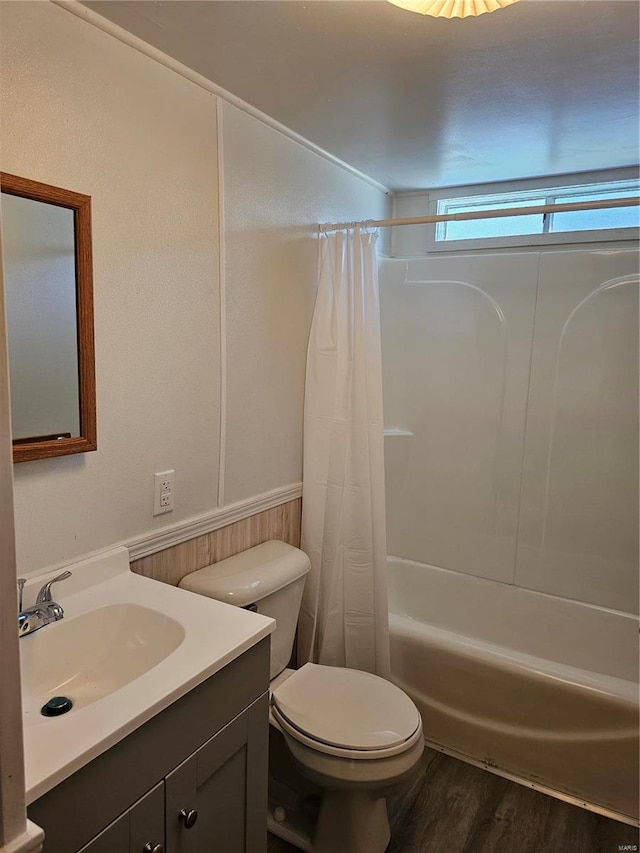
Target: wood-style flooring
<point>452,807</point>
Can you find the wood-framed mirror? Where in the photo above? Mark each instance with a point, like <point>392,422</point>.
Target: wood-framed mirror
<point>48,284</point>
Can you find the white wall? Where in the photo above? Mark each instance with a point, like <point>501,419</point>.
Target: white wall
<point>276,192</point>
<point>84,111</point>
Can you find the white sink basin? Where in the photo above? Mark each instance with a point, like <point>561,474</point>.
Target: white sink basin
<point>94,654</point>
<point>126,649</point>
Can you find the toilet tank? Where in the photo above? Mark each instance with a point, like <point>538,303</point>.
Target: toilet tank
<point>269,579</point>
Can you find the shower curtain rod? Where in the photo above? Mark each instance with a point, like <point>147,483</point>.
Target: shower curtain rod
<point>486,214</point>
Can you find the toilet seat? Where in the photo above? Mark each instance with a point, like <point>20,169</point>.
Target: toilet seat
<point>346,712</point>
<point>343,752</point>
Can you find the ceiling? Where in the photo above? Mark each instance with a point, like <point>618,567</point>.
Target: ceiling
<point>542,87</point>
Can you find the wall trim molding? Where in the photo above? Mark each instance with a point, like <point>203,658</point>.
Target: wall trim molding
<point>190,528</point>
<point>76,8</point>
<point>222,294</point>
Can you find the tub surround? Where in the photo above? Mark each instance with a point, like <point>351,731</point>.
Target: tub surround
<point>214,635</point>
<point>517,376</point>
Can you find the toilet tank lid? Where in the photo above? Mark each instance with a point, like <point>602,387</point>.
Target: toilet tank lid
<point>251,575</point>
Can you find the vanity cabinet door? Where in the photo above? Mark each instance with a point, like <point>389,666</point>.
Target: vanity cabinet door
<point>146,823</point>
<point>139,830</point>
<point>216,800</point>
<point>113,839</point>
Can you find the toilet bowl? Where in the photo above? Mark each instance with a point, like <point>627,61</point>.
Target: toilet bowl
<point>351,727</point>
<point>356,736</point>
<point>352,733</point>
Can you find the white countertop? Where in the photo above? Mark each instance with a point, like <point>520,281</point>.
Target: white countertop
<point>215,634</point>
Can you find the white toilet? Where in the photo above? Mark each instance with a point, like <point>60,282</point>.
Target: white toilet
<point>352,733</point>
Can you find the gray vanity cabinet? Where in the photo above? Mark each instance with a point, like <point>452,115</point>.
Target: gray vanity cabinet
<point>208,795</point>
<point>113,839</point>
<point>139,828</point>
<point>192,779</point>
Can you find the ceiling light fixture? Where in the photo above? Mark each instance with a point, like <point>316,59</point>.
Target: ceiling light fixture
<point>452,8</point>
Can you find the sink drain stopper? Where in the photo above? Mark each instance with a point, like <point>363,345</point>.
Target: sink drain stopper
<point>56,706</point>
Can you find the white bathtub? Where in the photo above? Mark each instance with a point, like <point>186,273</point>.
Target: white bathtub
<point>540,688</point>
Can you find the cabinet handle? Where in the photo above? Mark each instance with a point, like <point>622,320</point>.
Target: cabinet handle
<point>188,817</point>
<point>153,848</point>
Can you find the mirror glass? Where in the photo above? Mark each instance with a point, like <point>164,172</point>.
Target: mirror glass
<point>40,299</point>
<point>46,241</point>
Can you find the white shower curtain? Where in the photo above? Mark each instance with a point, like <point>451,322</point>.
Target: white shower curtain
<point>343,620</point>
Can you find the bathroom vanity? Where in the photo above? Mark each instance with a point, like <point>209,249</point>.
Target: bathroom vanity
<point>196,771</point>
<point>175,760</point>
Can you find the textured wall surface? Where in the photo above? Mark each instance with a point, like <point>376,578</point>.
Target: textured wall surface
<point>276,192</point>
<point>83,111</point>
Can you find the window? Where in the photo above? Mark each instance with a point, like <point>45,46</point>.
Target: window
<point>534,229</point>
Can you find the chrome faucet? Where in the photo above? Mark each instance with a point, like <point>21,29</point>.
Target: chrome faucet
<point>44,611</point>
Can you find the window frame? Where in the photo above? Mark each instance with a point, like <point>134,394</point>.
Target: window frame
<point>547,238</point>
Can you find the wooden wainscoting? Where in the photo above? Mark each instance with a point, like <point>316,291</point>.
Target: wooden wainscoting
<point>171,565</point>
